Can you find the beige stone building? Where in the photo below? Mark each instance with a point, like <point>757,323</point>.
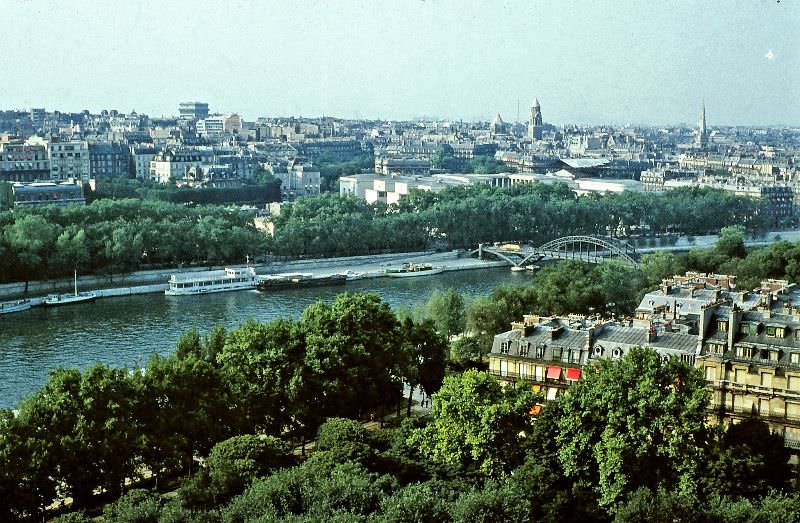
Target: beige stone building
<point>746,343</point>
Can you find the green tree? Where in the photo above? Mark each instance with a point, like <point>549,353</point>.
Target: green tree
<point>634,422</point>
<point>448,311</point>
<point>86,422</point>
<point>477,423</point>
<point>27,466</point>
<point>262,367</point>
<point>749,461</point>
<point>425,357</point>
<point>731,242</point>
<point>183,407</point>
<point>659,265</point>
<point>235,462</point>
<point>353,355</point>
<point>136,506</point>
<point>338,432</point>
<point>466,350</point>
<point>492,503</point>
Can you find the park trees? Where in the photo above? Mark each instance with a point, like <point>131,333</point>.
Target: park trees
<point>477,424</point>
<point>353,356</point>
<point>424,357</point>
<point>85,423</point>
<point>638,421</point>
<point>261,365</point>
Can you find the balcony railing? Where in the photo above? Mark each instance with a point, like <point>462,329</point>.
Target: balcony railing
<point>785,419</point>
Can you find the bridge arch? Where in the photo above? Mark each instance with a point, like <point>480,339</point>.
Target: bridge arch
<point>590,248</point>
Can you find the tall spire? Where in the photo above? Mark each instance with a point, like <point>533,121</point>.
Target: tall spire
<point>703,117</point>
<point>702,133</point>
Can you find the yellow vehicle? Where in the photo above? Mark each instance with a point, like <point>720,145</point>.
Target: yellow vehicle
<point>510,247</point>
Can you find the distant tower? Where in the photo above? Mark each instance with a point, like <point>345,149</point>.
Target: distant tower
<point>535,121</point>
<point>702,133</point>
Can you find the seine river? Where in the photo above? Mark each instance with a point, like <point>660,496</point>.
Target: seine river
<point>125,331</point>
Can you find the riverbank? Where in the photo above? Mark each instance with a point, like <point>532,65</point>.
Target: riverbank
<point>155,281</point>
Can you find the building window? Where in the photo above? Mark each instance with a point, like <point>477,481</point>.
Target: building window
<point>504,347</point>
<point>795,358</point>
<point>722,325</point>
<point>557,353</point>
<point>711,373</point>
<point>523,349</point>
<point>793,383</point>
<point>523,370</point>
<point>540,351</point>
<point>772,332</point>
<point>740,376</point>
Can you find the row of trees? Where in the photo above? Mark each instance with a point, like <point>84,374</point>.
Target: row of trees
<point>465,216</point>
<point>121,235</point>
<point>84,431</point>
<point>629,443</point>
<point>264,189</point>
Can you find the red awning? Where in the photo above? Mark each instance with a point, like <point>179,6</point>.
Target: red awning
<point>573,374</point>
<point>553,373</point>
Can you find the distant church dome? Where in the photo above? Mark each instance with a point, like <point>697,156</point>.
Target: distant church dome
<point>498,126</point>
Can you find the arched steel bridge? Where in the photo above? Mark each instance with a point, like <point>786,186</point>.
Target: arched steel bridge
<point>589,248</point>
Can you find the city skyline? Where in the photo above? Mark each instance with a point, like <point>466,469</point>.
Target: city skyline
<point>598,63</point>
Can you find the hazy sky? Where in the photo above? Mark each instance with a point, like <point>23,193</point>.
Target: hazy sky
<point>586,61</point>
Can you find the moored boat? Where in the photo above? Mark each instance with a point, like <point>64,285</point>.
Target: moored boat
<point>14,306</point>
<point>206,282</point>
<point>414,269</point>
<point>291,281</point>
<point>57,300</point>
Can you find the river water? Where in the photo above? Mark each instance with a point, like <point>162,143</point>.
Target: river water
<point>125,331</point>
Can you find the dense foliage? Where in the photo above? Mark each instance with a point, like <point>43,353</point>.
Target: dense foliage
<point>264,189</point>
<point>332,168</point>
<point>645,453</point>
<point>465,216</point>
<point>121,235</point>
<point>91,429</point>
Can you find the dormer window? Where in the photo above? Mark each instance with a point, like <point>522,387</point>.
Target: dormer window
<point>795,358</point>
<point>523,350</point>
<point>774,332</point>
<point>722,325</point>
<point>504,346</point>
<point>540,351</point>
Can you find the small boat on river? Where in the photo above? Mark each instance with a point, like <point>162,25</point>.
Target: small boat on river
<point>14,306</point>
<point>57,300</point>
<point>410,270</point>
<point>296,280</point>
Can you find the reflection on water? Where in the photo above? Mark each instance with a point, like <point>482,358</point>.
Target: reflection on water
<point>125,331</point>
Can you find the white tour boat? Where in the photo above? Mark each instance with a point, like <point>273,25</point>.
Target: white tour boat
<point>57,300</point>
<point>14,306</point>
<point>229,279</point>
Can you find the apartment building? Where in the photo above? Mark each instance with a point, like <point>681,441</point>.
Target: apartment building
<point>746,343</point>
